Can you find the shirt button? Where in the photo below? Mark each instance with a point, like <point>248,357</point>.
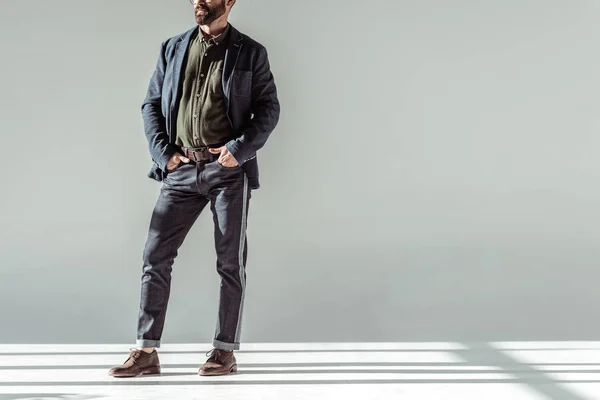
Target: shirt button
<point>201,75</point>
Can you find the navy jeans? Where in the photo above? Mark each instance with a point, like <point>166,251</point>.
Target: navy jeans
<point>184,194</point>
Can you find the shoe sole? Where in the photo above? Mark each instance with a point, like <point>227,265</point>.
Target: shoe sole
<point>232,370</point>
<point>149,371</point>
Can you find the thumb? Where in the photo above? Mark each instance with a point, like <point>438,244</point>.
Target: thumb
<point>184,159</point>
<point>215,151</point>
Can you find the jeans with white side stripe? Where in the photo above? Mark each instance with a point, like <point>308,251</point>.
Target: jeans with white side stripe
<point>184,194</point>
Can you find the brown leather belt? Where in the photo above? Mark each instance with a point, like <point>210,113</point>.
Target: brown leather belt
<point>199,154</point>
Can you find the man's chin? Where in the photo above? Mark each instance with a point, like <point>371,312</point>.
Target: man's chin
<point>201,20</point>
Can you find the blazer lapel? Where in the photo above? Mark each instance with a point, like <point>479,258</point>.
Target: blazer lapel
<point>180,51</point>
<point>231,55</point>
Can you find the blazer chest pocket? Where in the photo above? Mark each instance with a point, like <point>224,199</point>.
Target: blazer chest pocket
<point>242,83</point>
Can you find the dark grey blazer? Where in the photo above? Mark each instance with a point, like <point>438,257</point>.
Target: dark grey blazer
<point>250,92</point>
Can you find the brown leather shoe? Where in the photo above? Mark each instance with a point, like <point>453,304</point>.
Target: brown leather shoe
<point>221,362</point>
<point>139,363</point>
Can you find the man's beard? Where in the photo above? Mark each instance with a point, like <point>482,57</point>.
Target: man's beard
<point>212,13</point>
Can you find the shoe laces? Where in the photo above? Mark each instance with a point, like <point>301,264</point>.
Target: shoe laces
<point>134,355</point>
<point>216,353</point>
<point>211,352</point>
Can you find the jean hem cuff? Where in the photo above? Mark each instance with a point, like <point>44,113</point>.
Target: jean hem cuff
<point>225,346</point>
<point>148,343</point>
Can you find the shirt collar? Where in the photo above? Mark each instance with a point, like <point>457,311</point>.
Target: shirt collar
<point>215,39</point>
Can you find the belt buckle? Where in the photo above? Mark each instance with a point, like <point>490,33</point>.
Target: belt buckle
<point>191,154</point>
<point>201,154</point>
<point>205,154</point>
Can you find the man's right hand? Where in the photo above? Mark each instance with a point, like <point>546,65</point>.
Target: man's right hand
<point>177,159</point>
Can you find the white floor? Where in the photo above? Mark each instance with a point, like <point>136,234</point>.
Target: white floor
<point>289,371</point>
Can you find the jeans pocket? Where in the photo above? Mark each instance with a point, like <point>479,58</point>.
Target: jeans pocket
<point>176,169</point>
<point>224,167</point>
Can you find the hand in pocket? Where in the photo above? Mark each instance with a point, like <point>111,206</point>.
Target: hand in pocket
<point>176,160</point>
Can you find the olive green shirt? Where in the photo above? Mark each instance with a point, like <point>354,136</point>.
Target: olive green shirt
<point>202,117</point>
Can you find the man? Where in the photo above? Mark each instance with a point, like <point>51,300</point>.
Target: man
<point>211,105</point>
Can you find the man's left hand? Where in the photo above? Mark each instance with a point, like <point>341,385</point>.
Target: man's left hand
<point>225,159</point>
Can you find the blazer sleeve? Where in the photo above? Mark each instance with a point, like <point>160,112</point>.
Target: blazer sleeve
<point>155,130</point>
<point>265,109</point>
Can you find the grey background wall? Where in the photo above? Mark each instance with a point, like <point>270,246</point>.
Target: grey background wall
<point>434,175</point>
